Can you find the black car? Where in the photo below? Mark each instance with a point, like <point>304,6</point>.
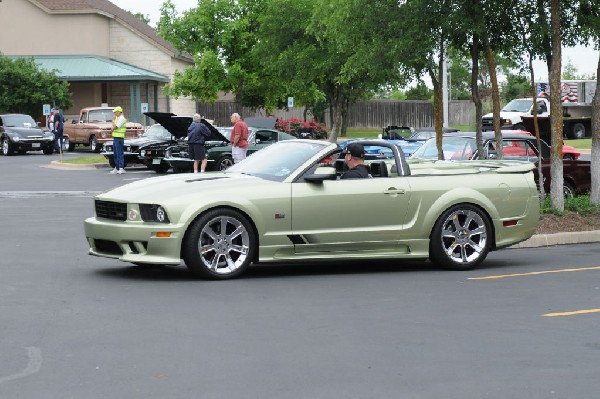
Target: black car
<point>155,134</point>
<point>21,133</point>
<point>153,156</point>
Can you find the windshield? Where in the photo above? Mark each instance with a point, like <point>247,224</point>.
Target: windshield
<point>19,121</point>
<point>100,115</point>
<point>518,106</point>
<point>157,132</point>
<point>457,148</point>
<point>278,161</point>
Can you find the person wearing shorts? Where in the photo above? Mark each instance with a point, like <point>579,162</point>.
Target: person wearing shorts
<point>197,135</point>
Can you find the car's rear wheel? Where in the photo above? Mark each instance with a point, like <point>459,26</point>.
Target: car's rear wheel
<point>219,244</point>
<point>568,190</point>
<point>461,238</point>
<point>224,162</point>
<point>7,147</point>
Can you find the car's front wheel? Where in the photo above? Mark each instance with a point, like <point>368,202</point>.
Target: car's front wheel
<point>94,147</point>
<point>461,238</point>
<point>67,145</point>
<point>219,244</point>
<point>7,147</point>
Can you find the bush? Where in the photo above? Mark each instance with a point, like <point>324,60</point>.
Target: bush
<point>580,204</point>
<point>302,129</point>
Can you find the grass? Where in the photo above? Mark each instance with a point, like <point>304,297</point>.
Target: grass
<point>91,159</point>
<point>580,204</point>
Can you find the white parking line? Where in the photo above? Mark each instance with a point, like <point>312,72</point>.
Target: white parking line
<point>43,194</point>
<point>34,364</point>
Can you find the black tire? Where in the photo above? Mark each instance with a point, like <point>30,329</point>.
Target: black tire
<point>519,126</point>
<point>568,190</point>
<point>179,170</point>
<point>162,168</point>
<point>224,162</point>
<point>111,162</point>
<point>577,131</point>
<point>94,147</point>
<point>7,147</point>
<point>219,245</point>
<point>67,145</point>
<point>461,238</point>
<point>48,150</point>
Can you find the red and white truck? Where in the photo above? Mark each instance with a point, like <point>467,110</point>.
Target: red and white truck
<point>577,96</point>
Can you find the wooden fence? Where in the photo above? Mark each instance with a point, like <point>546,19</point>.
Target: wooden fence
<point>367,114</point>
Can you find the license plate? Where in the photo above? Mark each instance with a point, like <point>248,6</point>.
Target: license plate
<point>156,161</point>
<point>35,145</point>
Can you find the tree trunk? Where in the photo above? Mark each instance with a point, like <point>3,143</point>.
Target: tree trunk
<point>556,128</point>
<point>475,94</point>
<point>536,128</point>
<point>595,167</point>
<point>337,107</point>
<point>491,61</point>
<point>438,109</point>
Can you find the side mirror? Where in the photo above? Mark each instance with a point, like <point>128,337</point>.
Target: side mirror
<point>321,174</point>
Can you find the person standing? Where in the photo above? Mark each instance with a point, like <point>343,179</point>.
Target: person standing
<point>58,124</point>
<point>51,124</point>
<point>119,127</point>
<point>197,135</point>
<point>239,138</point>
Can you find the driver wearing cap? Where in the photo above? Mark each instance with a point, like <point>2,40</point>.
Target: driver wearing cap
<point>354,157</point>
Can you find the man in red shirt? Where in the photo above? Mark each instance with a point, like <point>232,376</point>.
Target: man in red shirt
<point>239,138</point>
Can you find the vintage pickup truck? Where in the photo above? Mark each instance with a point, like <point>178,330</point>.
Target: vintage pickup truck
<point>94,127</point>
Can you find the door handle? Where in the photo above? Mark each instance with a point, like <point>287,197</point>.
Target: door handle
<point>393,190</point>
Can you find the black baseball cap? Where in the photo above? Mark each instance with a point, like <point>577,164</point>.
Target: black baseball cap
<point>357,150</point>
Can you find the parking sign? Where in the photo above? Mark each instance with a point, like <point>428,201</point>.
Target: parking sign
<point>46,109</point>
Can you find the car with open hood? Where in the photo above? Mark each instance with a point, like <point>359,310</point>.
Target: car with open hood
<point>153,155</point>
<point>218,152</point>
<point>285,204</point>
<point>20,133</point>
<point>155,134</point>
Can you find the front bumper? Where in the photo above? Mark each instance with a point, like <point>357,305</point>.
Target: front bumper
<point>134,242</point>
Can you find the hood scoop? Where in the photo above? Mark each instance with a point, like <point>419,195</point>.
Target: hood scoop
<point>195,179</point>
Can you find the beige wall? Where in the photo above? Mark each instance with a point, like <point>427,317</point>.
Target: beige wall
<point>129,47</point>
<point>90,34</point>
<point>27,30</point>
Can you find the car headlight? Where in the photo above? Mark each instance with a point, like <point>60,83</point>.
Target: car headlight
<point>103,135</point>
<point>128,149</point>
<point>16,138</point>
<point>143,153</point>
<point>153,213</point>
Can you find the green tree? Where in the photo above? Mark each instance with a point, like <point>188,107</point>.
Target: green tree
<point>25,87</point>
<point>516,86</point>
<point>419,92</point>
<point>144,18</point>
<point>218,32</point>
<point>588,17</point>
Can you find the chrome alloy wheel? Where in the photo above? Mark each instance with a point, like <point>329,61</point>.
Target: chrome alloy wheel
<point>223,244</point>
<point>464,236</point>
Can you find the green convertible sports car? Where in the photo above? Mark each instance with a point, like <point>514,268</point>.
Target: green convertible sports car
<point>286,203</point>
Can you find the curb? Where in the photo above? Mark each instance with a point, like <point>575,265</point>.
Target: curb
<point>73,166</point>
<point>548,240</point>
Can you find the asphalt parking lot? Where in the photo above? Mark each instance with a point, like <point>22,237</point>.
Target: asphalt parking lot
<point>524,324</point>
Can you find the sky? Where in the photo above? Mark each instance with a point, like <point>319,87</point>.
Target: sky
<point>584,59</point>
